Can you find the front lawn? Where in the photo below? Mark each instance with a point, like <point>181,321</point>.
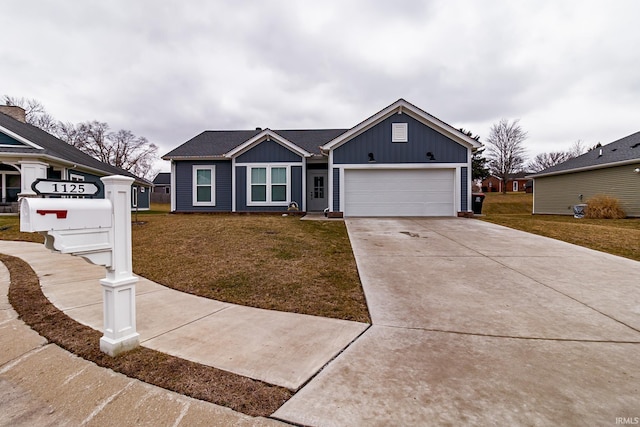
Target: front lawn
<point>616,236</point>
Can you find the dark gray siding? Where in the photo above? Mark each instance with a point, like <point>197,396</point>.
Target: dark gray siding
<point>296,185</point>
<point>422,139</point>
<point>184,186</point>
<point>268,152</point>
<point>241,191</point>
<point>336,190</point>
<point>7,140</point>
<point>464,188</point>
<point>143,197</point>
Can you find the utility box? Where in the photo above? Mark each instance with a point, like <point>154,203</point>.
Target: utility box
<point>64,214</point>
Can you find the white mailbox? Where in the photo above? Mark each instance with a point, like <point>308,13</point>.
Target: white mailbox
<point>72,226</point>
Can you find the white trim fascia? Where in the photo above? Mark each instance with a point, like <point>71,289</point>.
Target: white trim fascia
<point>585,168</point>
<point>19,138</point>
<point>220,157</point>
<point>266,135</point>
<point>330,180</point>
<point>401,165</point>
<point>173,186</point>
<point>403,107</point>
<point>275,164</point>
<point>303,202</point>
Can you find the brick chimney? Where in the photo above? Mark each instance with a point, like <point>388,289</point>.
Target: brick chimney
<point>14,112</point>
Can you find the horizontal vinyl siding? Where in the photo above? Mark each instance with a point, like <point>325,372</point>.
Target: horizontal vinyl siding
<point>184,186</point>
<point>557,194</point>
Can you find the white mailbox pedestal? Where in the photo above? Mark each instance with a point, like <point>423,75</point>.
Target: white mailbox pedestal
<point>119,287</point>
<point>98,230</point>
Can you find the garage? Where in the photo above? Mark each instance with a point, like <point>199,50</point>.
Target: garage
<point>399,192</point>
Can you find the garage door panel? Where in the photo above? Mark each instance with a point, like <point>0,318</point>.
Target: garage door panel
<point>399,192</point>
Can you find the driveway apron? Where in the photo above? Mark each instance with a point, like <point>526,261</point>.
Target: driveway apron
<point>476,323</point>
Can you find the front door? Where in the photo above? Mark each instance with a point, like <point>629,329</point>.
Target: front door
<point>316,190</point>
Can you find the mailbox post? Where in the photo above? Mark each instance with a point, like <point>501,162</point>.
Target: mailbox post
<point>118,288</point>
<point>98,230</point>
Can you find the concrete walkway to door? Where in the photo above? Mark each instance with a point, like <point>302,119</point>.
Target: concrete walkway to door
<point>475,323</point>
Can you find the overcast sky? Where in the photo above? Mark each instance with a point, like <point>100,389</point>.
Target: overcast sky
<point>167,70</point>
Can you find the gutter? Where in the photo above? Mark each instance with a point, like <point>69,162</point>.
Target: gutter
<point>585,168</point>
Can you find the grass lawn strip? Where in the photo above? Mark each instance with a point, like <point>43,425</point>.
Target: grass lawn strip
<point>239,393</point>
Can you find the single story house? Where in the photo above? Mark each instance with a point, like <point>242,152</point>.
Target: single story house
<point>28,153</point>
<point>516,182</point>
<point>613,169</point>
<point>401,161</point>
<point>162,183</point>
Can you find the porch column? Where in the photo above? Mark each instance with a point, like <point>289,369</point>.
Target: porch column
<point>29,172</point>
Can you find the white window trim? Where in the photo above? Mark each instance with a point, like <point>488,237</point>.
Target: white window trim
<point>75,177</point>
<point>194,194</point>
<point>134,197</point>
<point>515,185</point>
<point>399,132</point>
<point>268,167</point>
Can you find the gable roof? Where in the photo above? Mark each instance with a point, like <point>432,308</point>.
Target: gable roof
<point>219,143</point>
<point>163,178</point>
<point>620,152</point>
<point>42,144</point>
<point>403,107</point>
<point>267,135</point>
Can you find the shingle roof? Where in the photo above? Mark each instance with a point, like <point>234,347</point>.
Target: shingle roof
<point>163,178</point>
<point>216,143</point>
<point>622,150</point>
<point>55,147</point>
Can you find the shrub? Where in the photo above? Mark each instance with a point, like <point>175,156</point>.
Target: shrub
<point>602,206</point>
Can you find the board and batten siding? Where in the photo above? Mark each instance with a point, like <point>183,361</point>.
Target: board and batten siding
<point>184,186</point>
<point>558,194</point>
<point>268,152</point>
<point>421,140</point>
<point>464,189</point>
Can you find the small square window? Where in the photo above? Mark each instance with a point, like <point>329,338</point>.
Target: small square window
<point>399,132</point>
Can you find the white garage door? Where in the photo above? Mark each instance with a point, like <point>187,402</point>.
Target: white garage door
<point>419,192</point>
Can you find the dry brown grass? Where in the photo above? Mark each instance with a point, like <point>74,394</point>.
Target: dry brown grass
<point>615,236</point>
<point>602,206</point>
<point>240,393</point>
<point>265,261</point>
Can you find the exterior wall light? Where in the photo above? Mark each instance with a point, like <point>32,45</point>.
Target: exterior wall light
<point>371,158</point>
<point>430,155</point>
<point>637,170</point>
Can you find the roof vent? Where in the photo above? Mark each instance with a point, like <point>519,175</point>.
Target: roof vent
<point>259,129</point>
<point>600,153</point>
<point>635,145</point>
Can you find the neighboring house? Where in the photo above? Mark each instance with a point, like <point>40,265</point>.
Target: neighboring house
<point>516,182</point>
<point>613,169</point>
<point>401,161</point>
<point>162,183</point>
<point>28,153</point>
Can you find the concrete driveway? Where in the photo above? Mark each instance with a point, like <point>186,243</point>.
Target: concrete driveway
<point>475,323</point>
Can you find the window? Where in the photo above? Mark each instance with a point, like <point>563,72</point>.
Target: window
<point>268,185</point>
<point>204,185</point>
<point>134,197</point>
<point>515,185</point>
<point>75,177</point>
<point>399,132</point>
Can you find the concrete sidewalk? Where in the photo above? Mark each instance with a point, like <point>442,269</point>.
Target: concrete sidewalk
<point>44,385</point>
<point>284,349</point>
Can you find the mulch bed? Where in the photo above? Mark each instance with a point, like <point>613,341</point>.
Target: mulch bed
<point>239,393</point>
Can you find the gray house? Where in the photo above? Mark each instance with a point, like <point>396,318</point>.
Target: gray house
<point>613,169</point>
<point>28,153</point>
<point>401,161</point>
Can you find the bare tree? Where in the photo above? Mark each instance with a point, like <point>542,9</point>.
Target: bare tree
<point>577,149</point>
<point>121,149</point>
<point>546,160</point>
<point>505,149</point>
